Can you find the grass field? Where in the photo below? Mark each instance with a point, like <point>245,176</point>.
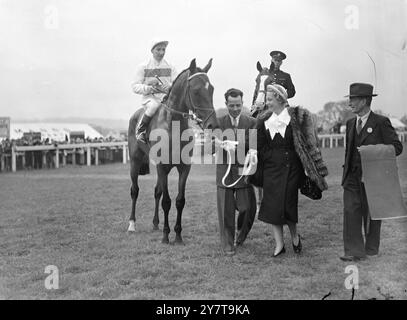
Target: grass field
<point>76,219</point>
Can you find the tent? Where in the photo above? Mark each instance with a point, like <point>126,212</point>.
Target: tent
<point>52,131</point>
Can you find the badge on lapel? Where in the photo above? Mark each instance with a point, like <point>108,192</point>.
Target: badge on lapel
<point>369,130</point>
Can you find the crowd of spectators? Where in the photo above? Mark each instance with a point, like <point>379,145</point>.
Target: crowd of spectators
<point>35,160</point>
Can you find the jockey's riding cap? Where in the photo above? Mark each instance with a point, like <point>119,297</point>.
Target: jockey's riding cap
<point>158,41</point>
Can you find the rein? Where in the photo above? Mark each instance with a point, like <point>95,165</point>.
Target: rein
<point>249,167</point>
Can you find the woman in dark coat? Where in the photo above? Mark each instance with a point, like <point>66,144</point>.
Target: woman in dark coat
<point>287,146</point>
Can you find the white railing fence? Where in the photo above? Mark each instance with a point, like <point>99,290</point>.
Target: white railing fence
<point>338,140</point>
<point>93,149</point>
<point>63,150</point>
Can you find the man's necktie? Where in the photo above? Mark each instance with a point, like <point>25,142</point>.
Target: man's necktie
<point>359,126</point>
<point>234,125</point>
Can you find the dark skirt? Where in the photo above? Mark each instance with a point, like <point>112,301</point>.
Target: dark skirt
<point>282,175</point>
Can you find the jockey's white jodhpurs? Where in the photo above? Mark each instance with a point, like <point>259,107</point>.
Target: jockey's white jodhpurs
<point>151,105</point>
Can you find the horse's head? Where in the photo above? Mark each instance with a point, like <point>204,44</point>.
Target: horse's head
<point>264,73</point>
<point>199,95</point>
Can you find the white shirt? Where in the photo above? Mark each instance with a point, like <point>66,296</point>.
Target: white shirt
<point>278,123</point>
<point>364,119</point>
<point>147,71</point>
<point>233,119</point>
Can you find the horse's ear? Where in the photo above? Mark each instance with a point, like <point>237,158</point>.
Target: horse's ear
<point>192,66</point>
<point>271,66</point>
<point>208,66</point>
<point>259,67</point>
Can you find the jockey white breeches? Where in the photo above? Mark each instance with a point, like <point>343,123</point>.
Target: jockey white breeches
<point>151,105</point>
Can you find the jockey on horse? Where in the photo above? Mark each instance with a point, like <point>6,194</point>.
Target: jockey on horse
<point>153,81</point>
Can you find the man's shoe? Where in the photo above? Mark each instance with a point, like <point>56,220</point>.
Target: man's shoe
<point>351,258</point>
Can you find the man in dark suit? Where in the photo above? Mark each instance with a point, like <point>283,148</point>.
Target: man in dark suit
<point>366,128</point>
<point>278,76</point>
<point>235,126</point>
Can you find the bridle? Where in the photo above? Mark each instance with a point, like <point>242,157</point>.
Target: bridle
<point>191,105</point>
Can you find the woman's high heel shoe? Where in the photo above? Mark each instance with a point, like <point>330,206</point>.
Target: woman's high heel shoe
<point>297,248</point>
<point>281,252</point>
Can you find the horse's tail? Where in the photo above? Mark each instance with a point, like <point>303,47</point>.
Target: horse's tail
<point>135,151</point>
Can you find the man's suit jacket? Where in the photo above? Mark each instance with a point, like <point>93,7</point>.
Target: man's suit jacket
<point>245,122</point>
<point>377,130</point>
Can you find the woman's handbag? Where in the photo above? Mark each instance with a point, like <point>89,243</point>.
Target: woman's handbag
<point>310,189</point>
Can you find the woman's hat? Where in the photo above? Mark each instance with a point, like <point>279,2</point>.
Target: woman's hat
<point>158,41</point>
<point>280,90</point>
<point>361,90</point>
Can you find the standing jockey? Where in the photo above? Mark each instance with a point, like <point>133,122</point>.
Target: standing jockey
<point>153,81</point>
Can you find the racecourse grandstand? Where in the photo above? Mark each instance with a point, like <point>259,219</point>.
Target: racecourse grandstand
<point>53,131</point>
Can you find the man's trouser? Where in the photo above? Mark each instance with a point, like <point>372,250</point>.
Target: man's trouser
<point>151,105</point>
<point>356,212</point>
<point>229,200</point>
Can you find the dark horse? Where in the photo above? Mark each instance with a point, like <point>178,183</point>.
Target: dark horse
<point>191,97</point>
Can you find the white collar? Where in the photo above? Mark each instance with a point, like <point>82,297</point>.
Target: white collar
<point>364,117</point>
<point>156,62</point>
<point>278,123</point>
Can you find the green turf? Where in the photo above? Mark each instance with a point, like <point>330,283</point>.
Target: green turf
<point>76,219</point>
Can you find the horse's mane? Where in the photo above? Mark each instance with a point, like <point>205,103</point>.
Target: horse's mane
<point>180,74</point>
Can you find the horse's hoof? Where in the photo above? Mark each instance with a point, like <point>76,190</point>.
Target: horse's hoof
<point>178,242</point>
<point>165,240</point>
<point>132,226</point>
<point>155,228</point>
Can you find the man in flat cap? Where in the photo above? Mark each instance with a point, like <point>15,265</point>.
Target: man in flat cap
<point>153,81</point>
<point>278,76</point>
<point>367,128</point>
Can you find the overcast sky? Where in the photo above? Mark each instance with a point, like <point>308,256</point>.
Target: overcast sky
<point>77,58</point>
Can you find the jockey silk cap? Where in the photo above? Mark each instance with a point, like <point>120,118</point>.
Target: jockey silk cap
<point>278,55</point>
<point>361,90</point>
<point>157,41</point>
<point>280,90</point>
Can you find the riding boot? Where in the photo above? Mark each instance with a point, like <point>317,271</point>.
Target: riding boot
<point>141,130</point>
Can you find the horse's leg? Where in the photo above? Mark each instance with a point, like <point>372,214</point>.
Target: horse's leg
<point>166,200</point>
<point>157,195</point>
<point>180,202</point>
<point>134,191</point>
